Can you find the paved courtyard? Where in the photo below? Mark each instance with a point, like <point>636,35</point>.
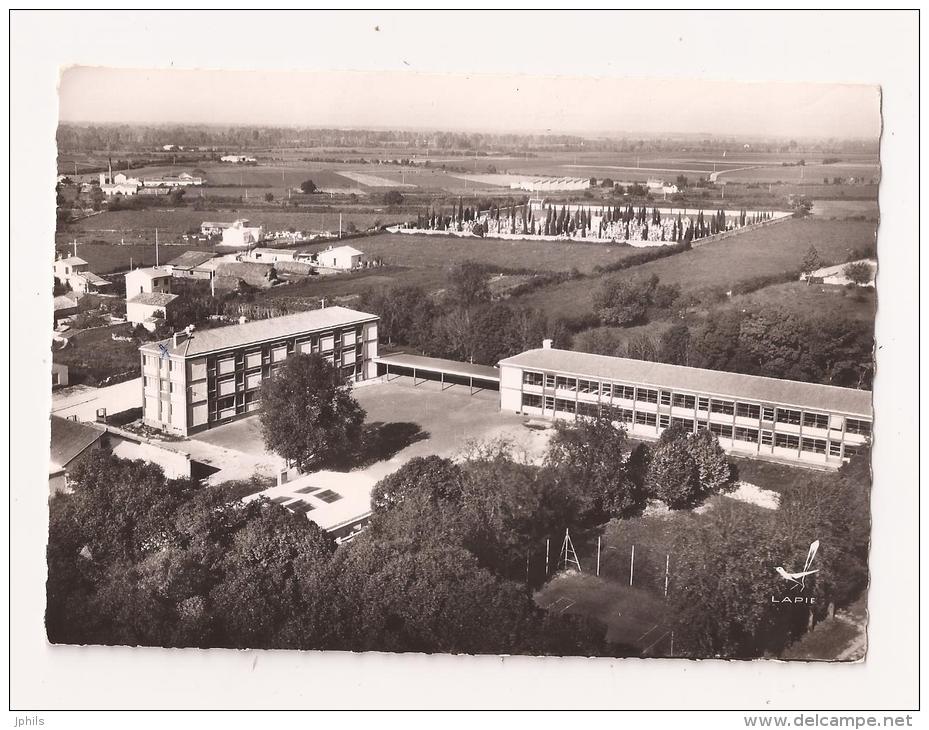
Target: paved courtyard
<point>413,421</point>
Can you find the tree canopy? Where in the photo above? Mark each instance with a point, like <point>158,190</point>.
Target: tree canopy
<point>308,415</point>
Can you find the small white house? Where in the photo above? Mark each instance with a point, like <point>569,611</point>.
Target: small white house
<point>147,308</point>
<point>213,228</point>
<point>340,257</point>
<point>68,266</point>
<point>77,274</point>
<point>151,280</point>
<point>240,233</point>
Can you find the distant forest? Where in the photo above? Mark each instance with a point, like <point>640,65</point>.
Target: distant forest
<point>88,137</point>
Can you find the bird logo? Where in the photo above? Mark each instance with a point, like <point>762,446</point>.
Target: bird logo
<point>798,580</point>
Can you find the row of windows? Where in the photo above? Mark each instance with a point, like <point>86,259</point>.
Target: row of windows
<point>737,433</point>
<point>679,400</point>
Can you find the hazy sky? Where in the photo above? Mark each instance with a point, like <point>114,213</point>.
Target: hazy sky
<point>475,102</point>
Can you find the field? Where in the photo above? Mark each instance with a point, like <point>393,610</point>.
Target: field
<point>810,173</point>
<point>107,258</point>
<point>860,304</point>
<point>283,169</point>
<point>139,225</point>
<point>345,288</point>
<point>423,251</point>
<point>92,355</point>
<point>767,251</point>
<point>846,209</point>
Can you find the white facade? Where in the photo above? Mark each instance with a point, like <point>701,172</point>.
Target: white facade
<point>200,380</point>
<point>240,233</point>
<point>148,281</point>
<point>340,257</point>
<point>147,308</point>
<point>751,416</point>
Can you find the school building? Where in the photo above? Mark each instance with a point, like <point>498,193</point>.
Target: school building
<point>201,379</point>
<point>752,416</point>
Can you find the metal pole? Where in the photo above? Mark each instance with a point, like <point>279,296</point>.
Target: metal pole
<point>156,247</point>
<point>546,555</point>
<point>631,564</point>
<point>598,555</point>
<point>667,563</point>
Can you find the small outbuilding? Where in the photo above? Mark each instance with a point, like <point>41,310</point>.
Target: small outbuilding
<point>341,257</point>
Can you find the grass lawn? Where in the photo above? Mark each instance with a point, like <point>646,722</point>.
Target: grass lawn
<point>774,476</point>
<point>723,264</point>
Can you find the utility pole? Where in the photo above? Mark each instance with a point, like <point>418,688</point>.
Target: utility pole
<point>546,552</point>
<point>156,247</point>
<point>598,554</point>
<point>667,565</point>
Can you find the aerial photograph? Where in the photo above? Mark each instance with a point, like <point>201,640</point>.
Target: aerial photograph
<point>402,385</point>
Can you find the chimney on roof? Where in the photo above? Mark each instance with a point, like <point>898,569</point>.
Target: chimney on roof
<point>546,344</point>
<point>174,337</point>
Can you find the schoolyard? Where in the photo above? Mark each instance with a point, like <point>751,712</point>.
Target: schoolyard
<point>402,422</point>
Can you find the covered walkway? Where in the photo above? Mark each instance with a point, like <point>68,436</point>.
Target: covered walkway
<point>447,373</point>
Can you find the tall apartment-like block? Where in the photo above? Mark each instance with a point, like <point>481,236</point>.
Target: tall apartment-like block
<point>752,416</point>
<point>207,378</point>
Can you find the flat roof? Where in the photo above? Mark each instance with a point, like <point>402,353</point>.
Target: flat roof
<point>352,504</point>
<point>438,365</point>
<point>698,380</point>
<point>217,339</point>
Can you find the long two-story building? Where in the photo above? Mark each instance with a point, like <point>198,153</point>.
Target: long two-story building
<point>199,380</point>
<point>752,416</point>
